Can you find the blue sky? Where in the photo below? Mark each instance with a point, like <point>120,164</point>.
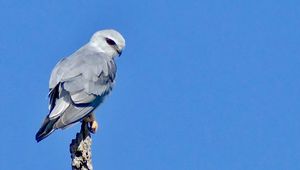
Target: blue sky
<point>208,85</point>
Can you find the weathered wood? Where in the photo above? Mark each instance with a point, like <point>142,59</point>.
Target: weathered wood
<point>80,149</point>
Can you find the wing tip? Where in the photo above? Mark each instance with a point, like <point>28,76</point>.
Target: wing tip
<point>38,139</point>
<point>40,135</point>
<point>45,130</point>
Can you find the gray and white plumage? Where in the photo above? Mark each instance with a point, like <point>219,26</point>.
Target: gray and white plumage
<point>80,82</point>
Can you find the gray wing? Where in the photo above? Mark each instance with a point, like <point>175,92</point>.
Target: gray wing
<point>78,84</point>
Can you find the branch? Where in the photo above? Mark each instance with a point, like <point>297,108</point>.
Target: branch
<point>80,149</point>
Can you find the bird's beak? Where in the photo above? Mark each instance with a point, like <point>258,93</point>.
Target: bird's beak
<point>119,51</point>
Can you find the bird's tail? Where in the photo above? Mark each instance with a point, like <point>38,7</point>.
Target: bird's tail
<point>46,129</point>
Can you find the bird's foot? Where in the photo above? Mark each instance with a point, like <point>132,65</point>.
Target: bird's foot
<point>93,126</point>
<point>92,123</point>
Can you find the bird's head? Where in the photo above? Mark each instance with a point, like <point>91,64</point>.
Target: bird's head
<point>108,41</point>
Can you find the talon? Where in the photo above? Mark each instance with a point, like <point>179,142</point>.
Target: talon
<point>93,126</point>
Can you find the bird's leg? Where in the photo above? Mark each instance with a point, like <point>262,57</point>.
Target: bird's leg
<point>91,119</point>
<point>93,123</point>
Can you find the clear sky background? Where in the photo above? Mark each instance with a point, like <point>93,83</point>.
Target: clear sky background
<point>210,85</point>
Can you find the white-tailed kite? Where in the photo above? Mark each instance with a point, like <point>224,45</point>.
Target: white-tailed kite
<point>80,82</point>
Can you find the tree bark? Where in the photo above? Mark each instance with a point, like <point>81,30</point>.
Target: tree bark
<point>80,149</point>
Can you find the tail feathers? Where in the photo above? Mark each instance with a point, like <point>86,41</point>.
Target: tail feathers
<point>46,129</point>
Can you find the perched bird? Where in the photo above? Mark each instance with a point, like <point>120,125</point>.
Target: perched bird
<point>80,82</point>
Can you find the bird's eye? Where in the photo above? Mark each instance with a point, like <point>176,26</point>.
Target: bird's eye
<point>110,41</point>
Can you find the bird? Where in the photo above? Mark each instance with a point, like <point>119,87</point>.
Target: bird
<point>80,82</point>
